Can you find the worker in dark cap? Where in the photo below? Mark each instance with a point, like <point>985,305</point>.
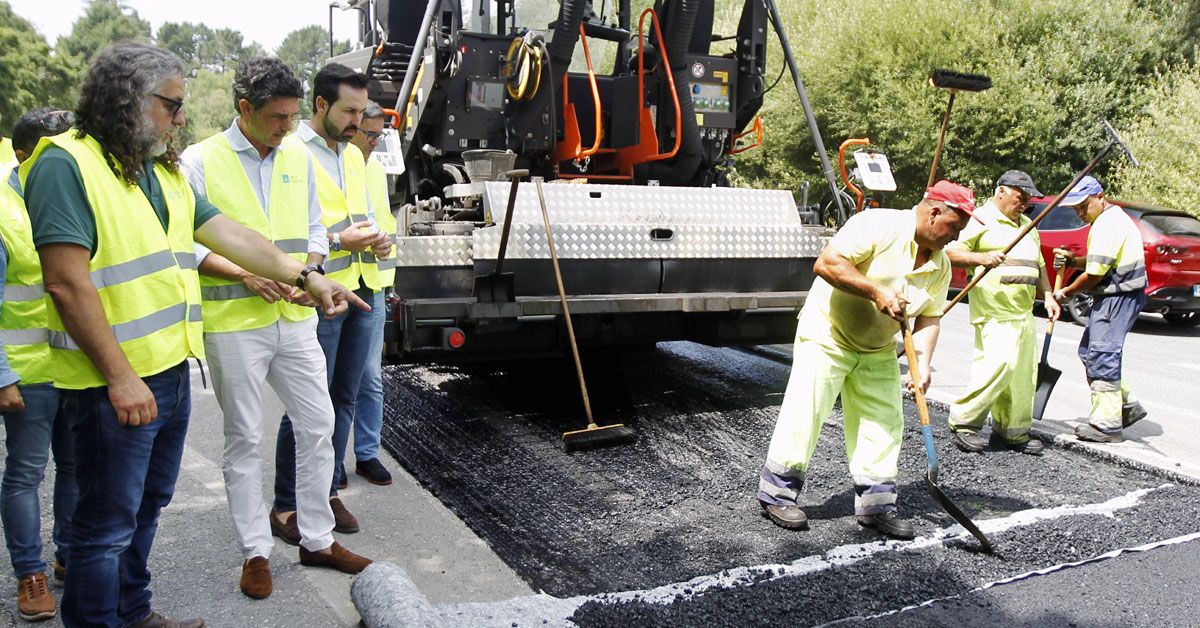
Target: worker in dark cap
<point>1114,273</point>
<point>882,267</point>
<point>1004,367</point>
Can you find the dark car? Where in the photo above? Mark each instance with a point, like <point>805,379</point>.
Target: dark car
<point>1170,240</point>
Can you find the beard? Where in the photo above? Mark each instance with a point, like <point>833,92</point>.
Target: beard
<point>341,135</point>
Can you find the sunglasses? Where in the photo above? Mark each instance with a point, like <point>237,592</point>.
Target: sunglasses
<point>57,121</point>
<point>173,106</point>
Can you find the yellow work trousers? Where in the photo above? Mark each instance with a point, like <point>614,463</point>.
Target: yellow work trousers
<point>1003,380</point>
<point>873,421</point>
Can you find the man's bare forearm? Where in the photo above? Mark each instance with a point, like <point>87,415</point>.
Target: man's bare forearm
<point>925,336</point>
<point>843,275</point>
<point>961,258</point>
<point>248,249</point>
<point>65,270</point>
<point>219,266</point>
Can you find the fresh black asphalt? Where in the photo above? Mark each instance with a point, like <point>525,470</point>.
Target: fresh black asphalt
<point>680,504</point>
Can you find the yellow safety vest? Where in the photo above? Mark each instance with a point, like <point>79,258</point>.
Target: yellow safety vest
<point>341,209</point>
<point>377,190</point>
<point>146,278</point>
<point>230,305</point>
<point>23,314</point>
<point>8,157</point>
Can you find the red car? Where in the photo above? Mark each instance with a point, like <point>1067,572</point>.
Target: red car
<point>1171,240</point>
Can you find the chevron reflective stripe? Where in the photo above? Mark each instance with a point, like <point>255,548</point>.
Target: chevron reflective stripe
<point>226,293</point>
<point>13,337</point>
<point>293,245</point>
<point>186,260</point>
<point>1019,279</point>
<point>139,328</point>
<point>134,268</point>
<point>1025,263</point>
<point>15,293</point>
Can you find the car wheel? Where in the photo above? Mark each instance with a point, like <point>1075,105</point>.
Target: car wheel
<point>1080,308</point>
<point>1183,319</point>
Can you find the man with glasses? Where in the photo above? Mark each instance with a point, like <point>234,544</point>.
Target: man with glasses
<point>368,409</point>
<point>257,330</point>
<point>115,225</point>
<point>1114,273</point>
<point>1004,366</point>
<point>883,267</point>
<point>33,424</point>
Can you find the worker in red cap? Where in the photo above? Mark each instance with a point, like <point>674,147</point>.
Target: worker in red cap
<point>882,266</point>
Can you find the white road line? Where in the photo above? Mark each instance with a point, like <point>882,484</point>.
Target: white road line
<point>374,585</point>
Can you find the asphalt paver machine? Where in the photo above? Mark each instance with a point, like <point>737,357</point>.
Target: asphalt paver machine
<point>635,144</point>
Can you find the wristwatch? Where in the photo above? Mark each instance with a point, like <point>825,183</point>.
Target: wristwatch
<point>336,244</point>
<point>302,278</point>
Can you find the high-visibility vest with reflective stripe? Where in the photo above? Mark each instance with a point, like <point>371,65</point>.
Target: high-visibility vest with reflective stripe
<point>377,190</point>
<point>23,313</point>
<point>146,278</point>
<point>230,305</point>
<point>339,210</point>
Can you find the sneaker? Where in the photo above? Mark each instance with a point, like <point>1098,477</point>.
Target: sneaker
<point>374,471</point>
<point>1091,434</point>
<point>338,558</point>
<point>285,527</point>
<point>969,442</point>
<point>343,521</point>
<point>34,602</point>
<point>1132,413</point>
<point>158,620</point>
<point>888,523</point>
<point>256,578</point>
<point>786,517</point>
<point>60,570</point>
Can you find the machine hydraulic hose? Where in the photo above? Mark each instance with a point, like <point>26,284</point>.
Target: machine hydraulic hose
<point>683,167</point>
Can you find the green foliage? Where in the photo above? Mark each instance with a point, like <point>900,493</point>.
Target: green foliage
<point>32,75</point>
<point>104,22</point>
<point>1164,140</point>
<point>203,48</point>
<point>305,51</point>
<point>210,105</point>
<point>1058,66</point>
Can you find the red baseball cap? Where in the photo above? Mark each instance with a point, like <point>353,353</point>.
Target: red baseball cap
<point>954,196</point>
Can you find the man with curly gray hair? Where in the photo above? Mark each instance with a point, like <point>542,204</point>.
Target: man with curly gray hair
<point>116,225</point>
<point>257,330</point>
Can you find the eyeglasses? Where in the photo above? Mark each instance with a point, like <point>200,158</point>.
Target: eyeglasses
<point>173,106</point>
<point>57,121</point>
<point>372,135</point>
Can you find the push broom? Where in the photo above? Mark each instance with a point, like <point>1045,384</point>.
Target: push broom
<point>592,436</point>
<point>955,82</point>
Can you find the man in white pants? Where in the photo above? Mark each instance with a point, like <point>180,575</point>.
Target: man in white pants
<point>260,330</point>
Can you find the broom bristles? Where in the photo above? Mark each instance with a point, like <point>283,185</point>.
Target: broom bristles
<point>594,436</point>
<point>949,79</point>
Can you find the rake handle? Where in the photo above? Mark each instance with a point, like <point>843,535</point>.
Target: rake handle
<point>562,297</point>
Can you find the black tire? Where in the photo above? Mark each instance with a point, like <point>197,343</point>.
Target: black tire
<point>1183,319</point>
<point>1079,307</point>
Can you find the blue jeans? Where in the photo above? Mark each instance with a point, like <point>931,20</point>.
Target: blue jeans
<point>126,476</point>
<point>368,409</point>
<point>1103,341</point>
<point>345,340</point>
<point>31,435</point>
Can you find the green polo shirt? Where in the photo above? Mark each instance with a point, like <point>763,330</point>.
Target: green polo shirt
<point>59,210</point>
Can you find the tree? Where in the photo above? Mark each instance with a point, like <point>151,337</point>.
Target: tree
<point>185,40</point>
<point>104,22</point>
<point>32,75</point>
<point>209,105</point>
<point>305,51</point>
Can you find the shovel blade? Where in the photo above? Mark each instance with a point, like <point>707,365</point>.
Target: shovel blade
<point>496,288</point>
<point>957,514</point>
<point>1046,379</point>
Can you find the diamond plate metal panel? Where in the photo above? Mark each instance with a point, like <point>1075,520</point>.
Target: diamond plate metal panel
<point>667,207</point>
<point>626,241</point>
<point>412,251</point>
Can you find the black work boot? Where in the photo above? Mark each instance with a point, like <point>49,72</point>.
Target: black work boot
<point>786,517</point>
<point>1033,446</point>
<point>1132,413</point>
<point>969,442</point>
<point>888,523</point>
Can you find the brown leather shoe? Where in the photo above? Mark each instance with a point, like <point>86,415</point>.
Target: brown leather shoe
<point>256,578</point>
<point>786,517</point>
<point>343,521</point>
<point>60,571</point>
<point>157,620</point>
<point>34,602</point>
<point>338,558</point>
<point>285,530</point>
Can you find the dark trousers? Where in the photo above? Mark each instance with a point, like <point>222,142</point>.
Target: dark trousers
<point>1111,318</point>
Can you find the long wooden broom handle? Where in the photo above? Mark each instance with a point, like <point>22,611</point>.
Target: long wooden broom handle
<point>937,153</point>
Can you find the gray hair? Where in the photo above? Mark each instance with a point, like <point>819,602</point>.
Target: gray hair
<point>115,98</point>
<point>263,79</point>
<point>372,111</point>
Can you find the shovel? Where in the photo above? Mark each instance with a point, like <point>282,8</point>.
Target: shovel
<point>1047,375</point>
<point>499,286</point>
<point>931,477</point>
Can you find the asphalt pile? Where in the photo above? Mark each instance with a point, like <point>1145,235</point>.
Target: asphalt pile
<point>679,503</point>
